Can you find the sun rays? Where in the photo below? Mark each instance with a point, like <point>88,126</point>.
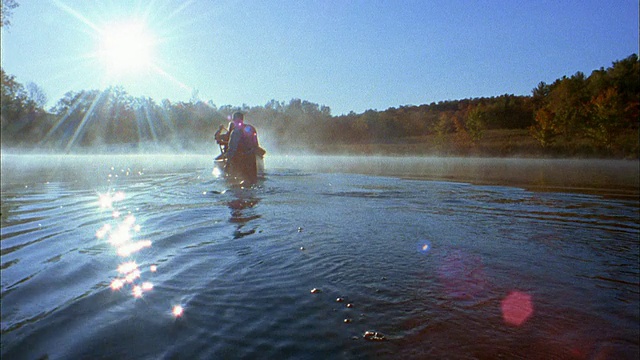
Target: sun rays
<point>86,116</point>
<point>100,117</point>
<point>125,56</point>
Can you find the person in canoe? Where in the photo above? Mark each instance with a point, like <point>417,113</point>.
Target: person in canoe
<point>241,154</point>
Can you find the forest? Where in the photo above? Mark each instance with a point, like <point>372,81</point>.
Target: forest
<point>594,116</point>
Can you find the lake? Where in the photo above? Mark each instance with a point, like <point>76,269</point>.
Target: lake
<point>152,257</point>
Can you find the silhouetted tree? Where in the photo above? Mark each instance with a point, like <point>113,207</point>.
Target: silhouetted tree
<point>7,11</point>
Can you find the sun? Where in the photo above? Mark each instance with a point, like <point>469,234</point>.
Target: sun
<point>126,49</point>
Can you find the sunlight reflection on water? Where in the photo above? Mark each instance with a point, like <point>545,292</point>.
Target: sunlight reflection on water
<point>120,236</point>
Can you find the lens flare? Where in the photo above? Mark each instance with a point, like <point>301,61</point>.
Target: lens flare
<point>517,308</point>
<point>424,246</point>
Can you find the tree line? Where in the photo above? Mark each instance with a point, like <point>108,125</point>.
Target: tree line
<point>596,115</point>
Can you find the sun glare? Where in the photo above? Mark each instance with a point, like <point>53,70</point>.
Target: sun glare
<point>126,48</point>
<point>127,43</point>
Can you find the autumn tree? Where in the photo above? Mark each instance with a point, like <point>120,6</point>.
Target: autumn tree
<point>543,129</point>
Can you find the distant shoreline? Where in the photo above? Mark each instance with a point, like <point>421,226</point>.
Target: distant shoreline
<point>494,144</point>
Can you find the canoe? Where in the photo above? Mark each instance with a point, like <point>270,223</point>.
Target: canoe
<point>243,169</point>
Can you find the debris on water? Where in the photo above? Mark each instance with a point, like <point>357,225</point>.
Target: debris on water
<point>374,336</point>
<point>302,248</point>
<point>299,229</point>
<point>349,306</point>
<point>339,299</point>
<point>347,321</point>
<point>315,290</point>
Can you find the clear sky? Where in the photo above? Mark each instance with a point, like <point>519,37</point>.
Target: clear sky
<point>348,55</point>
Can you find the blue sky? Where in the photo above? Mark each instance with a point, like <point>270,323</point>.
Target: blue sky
<point>348,55</point>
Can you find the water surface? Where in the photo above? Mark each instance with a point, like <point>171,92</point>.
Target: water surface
<point>445,266</point>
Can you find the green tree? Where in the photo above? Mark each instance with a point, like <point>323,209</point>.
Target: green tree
<point>540,95</point>
<point>476,122</point>
<point>607,118</point>
<point>568,99</point>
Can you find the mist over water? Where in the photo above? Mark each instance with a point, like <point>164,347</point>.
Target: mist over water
<point>613,177</point>
<point>151,256</point>
<point>609,177</point>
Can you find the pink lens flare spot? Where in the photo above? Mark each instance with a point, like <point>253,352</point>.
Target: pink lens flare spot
<point>177,311</point>
<point>517,308</point>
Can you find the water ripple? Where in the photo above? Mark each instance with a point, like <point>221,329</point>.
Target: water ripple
<point>442,269</point>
